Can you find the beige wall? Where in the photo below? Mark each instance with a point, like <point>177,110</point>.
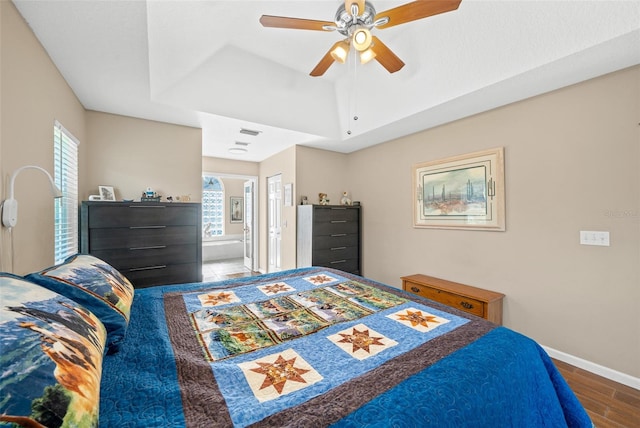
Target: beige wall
<point>320,171</point>
<point>34,95</point>
<point>133,154</point>
<point>572,161</point>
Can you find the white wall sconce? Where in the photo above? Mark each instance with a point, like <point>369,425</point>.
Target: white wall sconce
<point>10,205</point>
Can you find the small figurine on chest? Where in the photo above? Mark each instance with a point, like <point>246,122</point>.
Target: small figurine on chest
<point>345,199</point>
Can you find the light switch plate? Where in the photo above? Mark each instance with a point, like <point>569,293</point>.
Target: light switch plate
<point>593,237</point>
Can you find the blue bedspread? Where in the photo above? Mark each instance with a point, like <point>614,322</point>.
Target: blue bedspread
<point>462,372</point>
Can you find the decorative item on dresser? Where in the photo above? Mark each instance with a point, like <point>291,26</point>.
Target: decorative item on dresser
<point>329,236</point>
<point>483,303</point>
<point>150,243</point>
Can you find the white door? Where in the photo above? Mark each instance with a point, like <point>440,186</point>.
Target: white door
<point>275,221</point>
<point>248,224</point>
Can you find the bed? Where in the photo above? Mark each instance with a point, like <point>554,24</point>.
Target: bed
<point>306,347</point>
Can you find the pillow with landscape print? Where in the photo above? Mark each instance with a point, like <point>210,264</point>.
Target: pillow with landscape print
<point>95,285</point>
<point>50,359</point>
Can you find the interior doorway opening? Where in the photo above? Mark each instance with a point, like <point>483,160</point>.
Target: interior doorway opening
<point>230,218</point>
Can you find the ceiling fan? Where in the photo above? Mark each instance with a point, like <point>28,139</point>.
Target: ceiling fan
<point>355,19</point>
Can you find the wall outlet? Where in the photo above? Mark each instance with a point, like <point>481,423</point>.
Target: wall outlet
<point>592,237</point>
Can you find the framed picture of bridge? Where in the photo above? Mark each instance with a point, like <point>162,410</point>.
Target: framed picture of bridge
<point>460,192</point>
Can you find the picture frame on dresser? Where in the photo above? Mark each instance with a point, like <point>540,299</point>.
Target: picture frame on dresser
<point>460,192</point>
<point>107,193</point>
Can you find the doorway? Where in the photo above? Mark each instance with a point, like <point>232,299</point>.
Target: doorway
<point>243,231</point>
<point>274,219</point>
<point>249,199</point>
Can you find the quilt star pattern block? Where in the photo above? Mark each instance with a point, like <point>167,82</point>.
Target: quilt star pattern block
<point>361,342</point>
<point>417,319</point>
<point>218,298</point>
<point>275,288</point>
<point>278,374</point>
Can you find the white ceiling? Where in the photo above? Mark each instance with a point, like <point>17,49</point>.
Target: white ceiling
<point>211,65</point>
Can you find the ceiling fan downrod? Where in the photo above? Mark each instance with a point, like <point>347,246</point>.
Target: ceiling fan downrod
<point>348,21</point>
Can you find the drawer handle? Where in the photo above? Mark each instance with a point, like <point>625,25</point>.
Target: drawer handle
<point>338,208</point>
<point>415,289</point>
<point>338,234</point>
<point>338,221</point>
<point>338,248</point>
<point>147,206</point>
<point>466,305</point>
<point>335,262</point>
<point>153,247</point>
<point>148,268</point>
<point>147,227</point>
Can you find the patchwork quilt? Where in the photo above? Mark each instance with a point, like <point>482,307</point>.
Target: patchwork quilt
<point>319,347</point>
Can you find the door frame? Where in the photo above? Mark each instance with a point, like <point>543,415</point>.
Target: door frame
<point>256,224</point>
<point>277,267</point>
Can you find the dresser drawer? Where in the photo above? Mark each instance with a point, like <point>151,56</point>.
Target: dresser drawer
<point>161,275</point>
<point>148,256</point>
<point>346,265</point>
<point>335,228</point>
<point>325,242</point>
<point>336,214</point>
<point>466,304</point>
<point>322,257</point>
<point>142,215</point>
<point>477,301</point>
<point>141,237</point>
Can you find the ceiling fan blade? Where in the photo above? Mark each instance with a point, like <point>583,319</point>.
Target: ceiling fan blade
<point>324,63</point>
<point>416,10</point>
<point>294,23</point>
<point>385,56</point>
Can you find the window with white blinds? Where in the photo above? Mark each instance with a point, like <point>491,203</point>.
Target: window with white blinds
<point>65,175</point>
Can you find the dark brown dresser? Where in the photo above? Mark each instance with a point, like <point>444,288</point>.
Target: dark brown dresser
<point>151,243</point>
<point>329,236</point>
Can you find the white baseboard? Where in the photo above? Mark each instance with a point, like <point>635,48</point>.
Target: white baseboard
<point>605,372</point>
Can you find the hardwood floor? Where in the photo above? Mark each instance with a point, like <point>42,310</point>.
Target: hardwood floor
<point>609,404</point>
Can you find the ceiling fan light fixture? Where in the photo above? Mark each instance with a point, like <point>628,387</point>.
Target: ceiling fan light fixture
<point>366,56</point>
<point>340,52</point>
<point>362,39</point>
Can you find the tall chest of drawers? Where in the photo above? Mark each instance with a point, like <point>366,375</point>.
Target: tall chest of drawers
<point>329,235</point>
<point>150,243</point>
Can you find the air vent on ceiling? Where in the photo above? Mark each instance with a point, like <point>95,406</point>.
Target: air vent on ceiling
<point>242,144</point>
<point>249,132</point>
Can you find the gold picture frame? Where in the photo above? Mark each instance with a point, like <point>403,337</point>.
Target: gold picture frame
<point>461,192</point>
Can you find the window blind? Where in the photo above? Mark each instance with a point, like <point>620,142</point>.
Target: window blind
<point>65,171</point>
